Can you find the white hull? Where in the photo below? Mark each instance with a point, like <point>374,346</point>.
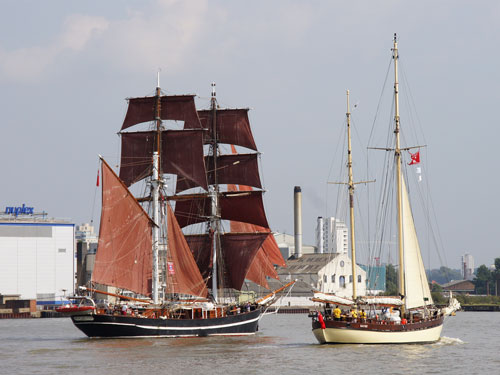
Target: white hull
<point>356,336</point>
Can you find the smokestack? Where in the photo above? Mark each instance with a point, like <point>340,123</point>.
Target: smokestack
<point>297,200</point>
<point>319,232</point>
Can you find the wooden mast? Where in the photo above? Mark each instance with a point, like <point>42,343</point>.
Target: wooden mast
<point>397,152</point>
<point>351,184</point>
<point>215,222</point>
<point>155,190</point>
<point>351,200</point>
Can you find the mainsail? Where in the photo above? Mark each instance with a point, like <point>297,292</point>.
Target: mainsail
<point>417,292</point>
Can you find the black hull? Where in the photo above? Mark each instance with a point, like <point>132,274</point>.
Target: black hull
<point>97,325</point>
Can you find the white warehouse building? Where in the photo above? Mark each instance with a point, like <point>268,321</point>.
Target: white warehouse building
<point>37,256</point>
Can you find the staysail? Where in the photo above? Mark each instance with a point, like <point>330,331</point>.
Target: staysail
<point>417,292</point>
<point>183,275</point>
<point>124,258</point>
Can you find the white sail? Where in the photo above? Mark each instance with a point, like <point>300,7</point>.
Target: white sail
<point>417,291</point>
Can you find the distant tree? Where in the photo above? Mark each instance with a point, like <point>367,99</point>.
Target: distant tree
<point>435,287</point>
<point>496,276</point>
<point>391,281</point>
<point>482,279</point>
<point>443,275</point>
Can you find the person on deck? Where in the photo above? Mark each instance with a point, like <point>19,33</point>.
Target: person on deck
<point>354,314</point>
<point>362,315</point>
<point>336,313</point>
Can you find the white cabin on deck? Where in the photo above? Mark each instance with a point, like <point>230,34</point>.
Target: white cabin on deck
<point>328,273</point>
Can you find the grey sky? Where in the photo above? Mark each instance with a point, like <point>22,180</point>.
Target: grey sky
<point>66,68</point>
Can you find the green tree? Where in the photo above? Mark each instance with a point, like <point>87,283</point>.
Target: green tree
<point>482,279</point>
<point>391,281</point>
<point>443,275</point>
<point>496,276</point>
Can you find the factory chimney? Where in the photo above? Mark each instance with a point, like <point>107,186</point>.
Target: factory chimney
<point>297,200</point>
<point>320,234</point>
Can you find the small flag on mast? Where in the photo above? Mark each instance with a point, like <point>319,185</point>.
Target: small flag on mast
<point>97,184</point>
<point>415,158</point>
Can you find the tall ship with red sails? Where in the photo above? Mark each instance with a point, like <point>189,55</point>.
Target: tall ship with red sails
<point>185,247</point>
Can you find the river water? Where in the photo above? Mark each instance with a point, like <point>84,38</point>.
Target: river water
<point>470,343</point>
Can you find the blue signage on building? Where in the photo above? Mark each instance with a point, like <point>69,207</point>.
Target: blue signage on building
<point>19,210</point>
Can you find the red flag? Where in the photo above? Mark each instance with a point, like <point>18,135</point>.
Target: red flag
<point>171,270</point>
<point>415,158</point>
<point>97,184</point>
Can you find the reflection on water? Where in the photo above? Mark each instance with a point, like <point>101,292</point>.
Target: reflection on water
<point>285,345</point>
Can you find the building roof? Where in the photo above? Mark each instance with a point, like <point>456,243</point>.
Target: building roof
<point>307,263</point>
<point>459,285</point>
<point>300,288</point>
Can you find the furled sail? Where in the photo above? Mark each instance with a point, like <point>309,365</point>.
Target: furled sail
<point>417,292</point>
<point>124,257</point>
<point>137,153</point>
<point>183,275</point>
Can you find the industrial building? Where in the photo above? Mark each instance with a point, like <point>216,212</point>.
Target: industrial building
<point>467,267</point>
<point>331,235</point>
<point>37,255</point>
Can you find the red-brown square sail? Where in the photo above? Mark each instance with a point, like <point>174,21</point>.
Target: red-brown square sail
<point>181,154</point>
<point>172,107</point>
<point>231,169</point>
<point>233,126</point>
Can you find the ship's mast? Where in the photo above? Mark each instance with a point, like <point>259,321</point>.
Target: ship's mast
<point>351,199</point>
<point>155,192</point>
<point>214,192</point>
<point>398,171</point>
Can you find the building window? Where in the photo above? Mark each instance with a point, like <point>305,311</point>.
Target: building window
<point>325,279</point>
<point>61,250</point>
<point>333,278</point>
<point>359,278</point>
<point>341,263</point>
<point>342,281</point>
<point>350,278</point>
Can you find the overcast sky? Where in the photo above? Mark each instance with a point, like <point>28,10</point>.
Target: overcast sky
<point>67,66</point>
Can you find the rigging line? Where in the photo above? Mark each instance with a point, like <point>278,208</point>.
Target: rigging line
<point>380,100</point>
<point>95,192</point>
<point>426,208</point>
<point>339,142</point>
<point>412,107</point>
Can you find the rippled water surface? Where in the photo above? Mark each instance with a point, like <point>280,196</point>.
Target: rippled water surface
<point>285,345</point>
